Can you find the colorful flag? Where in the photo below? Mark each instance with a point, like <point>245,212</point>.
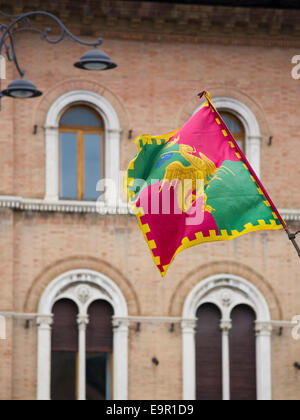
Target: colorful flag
<point>193,186</point>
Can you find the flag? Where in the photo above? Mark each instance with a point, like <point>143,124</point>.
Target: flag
<point>194,186</point>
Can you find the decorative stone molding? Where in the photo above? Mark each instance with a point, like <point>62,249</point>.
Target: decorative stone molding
<point>63,206</point>
<point>189,325</point>
<point>44,322</point>
<point>226,292</point>
<point>263,329</point>
<point>226,326</point>
<point>82,287</point>
<point>177,21</point>
<point>82,321</point>
<point>83,293</point>
<point>112,138</point>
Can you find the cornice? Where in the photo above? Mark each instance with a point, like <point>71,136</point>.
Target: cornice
<point>170,21</point>
<point>86,207</point>
<point>62,206</point>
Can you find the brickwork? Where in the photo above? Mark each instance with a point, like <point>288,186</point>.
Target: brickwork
<point>153,91</point>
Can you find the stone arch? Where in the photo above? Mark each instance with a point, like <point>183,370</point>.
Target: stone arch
<point>41,282</point>
<point>189,107</point>
<point>83,287</point>
<point>228,267</point>
<point>227,291</point>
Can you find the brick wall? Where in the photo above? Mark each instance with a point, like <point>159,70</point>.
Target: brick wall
<point>151,89</point>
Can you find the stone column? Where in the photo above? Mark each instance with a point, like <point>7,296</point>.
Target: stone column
<point>189,359</point>
<point>226,327</point>
<point>82,321</point>
<point>263,360</point>
<point>44,357</point>
<point>120,368</point>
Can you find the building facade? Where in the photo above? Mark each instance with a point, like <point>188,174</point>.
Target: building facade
<point>87,315</point>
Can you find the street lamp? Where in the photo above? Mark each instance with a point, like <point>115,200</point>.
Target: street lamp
<point>23,89</point>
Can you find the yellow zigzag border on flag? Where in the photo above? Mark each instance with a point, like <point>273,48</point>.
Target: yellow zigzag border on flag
<point>200,239</point>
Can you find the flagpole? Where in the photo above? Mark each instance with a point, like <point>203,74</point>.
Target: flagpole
<point>291,236</point>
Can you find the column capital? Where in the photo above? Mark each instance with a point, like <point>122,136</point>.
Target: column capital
<point>120,324</point>
<point>82,321</point>
<point>263,329</point>
<point>44,321</point>
<point>189,325</point>
<point>226,326</point>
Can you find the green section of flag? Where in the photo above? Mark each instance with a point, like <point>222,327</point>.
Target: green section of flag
<point>236,199</point>
<point>151,164</point>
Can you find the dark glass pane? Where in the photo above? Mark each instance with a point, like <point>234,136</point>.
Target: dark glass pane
<point>80,117</point>
<point>243,355</point>
<point>64,344</point>
<point>68,165</point>
<point>92,165</point>
<point>63,376</point>
<point>99,334</point>
<point>65,327</point>
<point>231,124</point>
<point>209,354</point>
<point>98,380</point>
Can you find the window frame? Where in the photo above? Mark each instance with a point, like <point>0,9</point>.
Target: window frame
<point>83,287</point>
<point>112,144</point>
<point>227,291</point>
<point>80,131</point>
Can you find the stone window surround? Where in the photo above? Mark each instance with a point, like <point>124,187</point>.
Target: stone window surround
<point>83,287</point>
<point>226,292</point>
<point>112,137</point>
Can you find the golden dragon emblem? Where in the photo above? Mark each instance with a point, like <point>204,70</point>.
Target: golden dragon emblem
<point>190,181</point>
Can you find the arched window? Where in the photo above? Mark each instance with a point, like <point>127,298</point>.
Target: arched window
<point>211,354</point>
<point>242,350</point>
<point>236,128</point>
<point>82,134</point>
<point>64,351</point>
<point>99,351</point>
<point>81,153</point>
<point>208,354</point>
<point>226,314</point>
<point>82,339</point>
<point>66,358</point>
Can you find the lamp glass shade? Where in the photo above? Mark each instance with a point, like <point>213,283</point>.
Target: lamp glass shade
<point>21,89</point>
<point>95,60</point>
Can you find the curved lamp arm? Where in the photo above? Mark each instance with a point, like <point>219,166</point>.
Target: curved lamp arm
<point>7,34</point>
